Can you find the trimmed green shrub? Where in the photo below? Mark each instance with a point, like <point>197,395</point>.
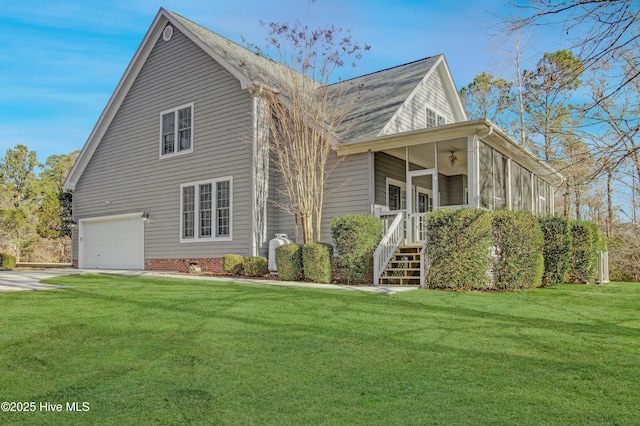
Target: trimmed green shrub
<point>289,262</point>
<point>232,264</point>
<point>317,262</point>
<point>584,254</point>
<point>556,249</point>
<point>256,266</point>
<point>356,238</point>
<point>459,249</point>
<point>518,261</point>
<point>7,261</point>
<point>599,239</point>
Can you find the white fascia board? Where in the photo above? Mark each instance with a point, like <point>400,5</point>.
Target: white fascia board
<point>452,91</point>
<point>413,137</point>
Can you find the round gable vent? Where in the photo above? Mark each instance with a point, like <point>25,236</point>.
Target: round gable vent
<point>167,33</point>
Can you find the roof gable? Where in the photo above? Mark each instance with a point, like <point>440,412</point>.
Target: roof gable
<point>437,80</point>
<point>244,65</point>
<point>378,98</point>
<point>374,99</point>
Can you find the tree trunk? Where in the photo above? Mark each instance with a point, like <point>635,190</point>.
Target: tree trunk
<point>307,228</point>
<point>609,202</point>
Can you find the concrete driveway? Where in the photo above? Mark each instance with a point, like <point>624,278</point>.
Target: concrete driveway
<point>30,280</point>
<point>21,280</point>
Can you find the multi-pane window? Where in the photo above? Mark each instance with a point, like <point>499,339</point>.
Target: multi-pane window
<point>396,195</point>
<point>206,210</point>
<point>223,208</point>
<point>176,130</point>
<point>168,133</point>
<point>434,119</point>
<point>188,211</point>
<point>431,118</point>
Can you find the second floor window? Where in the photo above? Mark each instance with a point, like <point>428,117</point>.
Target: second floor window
<point>434,119</point>
<point>176,131</point>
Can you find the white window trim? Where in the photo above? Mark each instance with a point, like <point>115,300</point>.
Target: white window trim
<point>437,113</point>
<point>394,182</point>
<point>197,238</point>
<point>176,152</point>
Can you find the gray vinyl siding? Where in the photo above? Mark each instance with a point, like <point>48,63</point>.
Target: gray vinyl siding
<point>412,115</point>
<point>346,192</point>
<point>388,166</point>
<point>125,174</point>
<point>455,190</point>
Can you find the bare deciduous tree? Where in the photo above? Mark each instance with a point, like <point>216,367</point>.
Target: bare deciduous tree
<point>600,30</point>
<point>305,112</point>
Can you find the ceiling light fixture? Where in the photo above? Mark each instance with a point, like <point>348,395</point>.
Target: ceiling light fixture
<point>453,159</point>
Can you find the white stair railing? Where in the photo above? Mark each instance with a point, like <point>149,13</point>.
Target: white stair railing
<point>387,247</point>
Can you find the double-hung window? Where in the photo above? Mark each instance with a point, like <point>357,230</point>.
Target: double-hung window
<point>176,131</point>
<point>433,119</point>
<point>206,210</point>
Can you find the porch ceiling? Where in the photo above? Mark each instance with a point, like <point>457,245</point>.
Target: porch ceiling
<point>424,155</point>
<point>415,137</point>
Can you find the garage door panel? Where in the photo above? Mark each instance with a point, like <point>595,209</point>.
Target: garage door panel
<point>113,244</point>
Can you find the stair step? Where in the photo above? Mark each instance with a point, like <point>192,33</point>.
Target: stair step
<point>405,257</point>
<point>404,269</point>
<point>400,280</point>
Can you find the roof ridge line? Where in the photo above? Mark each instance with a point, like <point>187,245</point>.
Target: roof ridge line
<point>386,69</point>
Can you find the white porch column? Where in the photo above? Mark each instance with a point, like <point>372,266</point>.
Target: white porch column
<point>508,181</point>
<point>473,168</point>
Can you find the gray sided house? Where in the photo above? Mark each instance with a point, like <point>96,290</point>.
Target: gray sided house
<point>177,172</point>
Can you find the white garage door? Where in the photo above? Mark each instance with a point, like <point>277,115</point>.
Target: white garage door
<point>112,243</point>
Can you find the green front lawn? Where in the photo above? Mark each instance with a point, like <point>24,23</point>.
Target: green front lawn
<point>170,351</point>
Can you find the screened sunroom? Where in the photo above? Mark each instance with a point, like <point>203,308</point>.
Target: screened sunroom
<point>468,164</point>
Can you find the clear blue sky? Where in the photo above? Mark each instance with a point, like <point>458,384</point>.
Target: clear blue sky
<point>60,60</point>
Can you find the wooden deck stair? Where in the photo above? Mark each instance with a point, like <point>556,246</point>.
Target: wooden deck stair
<point>404,267</point>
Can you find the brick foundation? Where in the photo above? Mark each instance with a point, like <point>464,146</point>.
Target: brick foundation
<point>210,265</point>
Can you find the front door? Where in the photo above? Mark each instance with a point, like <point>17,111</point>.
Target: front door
<point>421,199</point>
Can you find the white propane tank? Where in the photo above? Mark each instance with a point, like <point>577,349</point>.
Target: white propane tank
<point>279,240</point>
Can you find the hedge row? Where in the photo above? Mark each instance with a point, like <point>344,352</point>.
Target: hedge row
<point>518,261</point>
<point>459,249</point>
<point>313,262</point>
<point>356,237</point>
<point>556,249</point>
<point>253,266</point>
<point>587,240</point>
<point>507,250</point>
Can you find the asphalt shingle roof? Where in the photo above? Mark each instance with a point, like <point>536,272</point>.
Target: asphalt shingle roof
<point>374,98</point>
<point>378,96</point>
